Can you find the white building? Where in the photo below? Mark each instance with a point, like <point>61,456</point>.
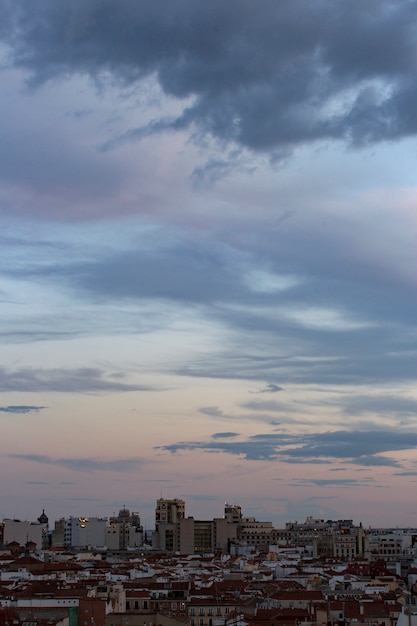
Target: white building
<point>82,532</point>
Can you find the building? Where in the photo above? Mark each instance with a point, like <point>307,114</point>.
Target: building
<point>15,530</point>
<point>124,531</point>
<point>79,532</point>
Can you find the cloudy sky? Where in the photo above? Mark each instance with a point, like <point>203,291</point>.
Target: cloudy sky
<point>209,257</point>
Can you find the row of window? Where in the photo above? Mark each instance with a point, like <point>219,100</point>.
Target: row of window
<point>135,605</point>
<point>201,611</point>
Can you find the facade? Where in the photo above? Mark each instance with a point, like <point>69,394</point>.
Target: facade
<point>255,534</point>
<point>338,538</point>
<point>389,545</point>
<point>119,533</point>
<point>124,531</point>
<point>167,515</point>
<point>79,532</point>
<point>15,530</point>
<point>176,533</point>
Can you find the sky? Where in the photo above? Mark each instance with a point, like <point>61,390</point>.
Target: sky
<point>208,240</point>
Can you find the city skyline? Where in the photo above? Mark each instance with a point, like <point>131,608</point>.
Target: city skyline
<point>208,258</point>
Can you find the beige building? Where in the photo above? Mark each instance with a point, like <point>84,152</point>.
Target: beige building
<point>124,531</point>
<point>190,536</point>
<point>176,533</point>
<point>256,534</point>
<point>23,532</point>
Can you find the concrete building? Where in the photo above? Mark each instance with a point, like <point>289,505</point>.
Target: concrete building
<point>23,533</point>
<point>79,532</point>
<point>176,533</point>
<point>124,531</point>
<point>167,514</point>
<point>254,534</point>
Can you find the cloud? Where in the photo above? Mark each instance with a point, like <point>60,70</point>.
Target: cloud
<point>328,482</point>
<point>82,380</point>
<point>413,473</point>
<point>375,461</point>
<point>269,388</point>
<point>307,461</point>
<point>355,447</point>
<point>36,482</point>
<point>226,435</point>
<point>383,404</point>
<point>212,411</point>
<point>269,406</point>
<point>217,413</point>
<point>21,409</point>
<point>83,465</point>
<point>360,338</point>
<point>268,77</point>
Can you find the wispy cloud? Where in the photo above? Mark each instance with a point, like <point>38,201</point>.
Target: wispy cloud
<point>355,447</point>
<point>82,380</point>
<point>269,388</point>
<point>328,482</point>
<point>21,409</point>
<point>83,464</point>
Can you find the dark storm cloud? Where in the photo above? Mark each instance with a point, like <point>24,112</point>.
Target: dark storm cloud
<point>21,409</point>
<point>82,380</point>
<point>267,75</point>
<point>83,465</point>
<point>356,447</point>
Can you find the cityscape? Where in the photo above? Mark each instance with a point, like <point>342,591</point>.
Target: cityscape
<point>231,570</point>
<point>208,312</point>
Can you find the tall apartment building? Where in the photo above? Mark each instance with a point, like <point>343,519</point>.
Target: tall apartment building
<point>169,511</point>
<point>167,515</point>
